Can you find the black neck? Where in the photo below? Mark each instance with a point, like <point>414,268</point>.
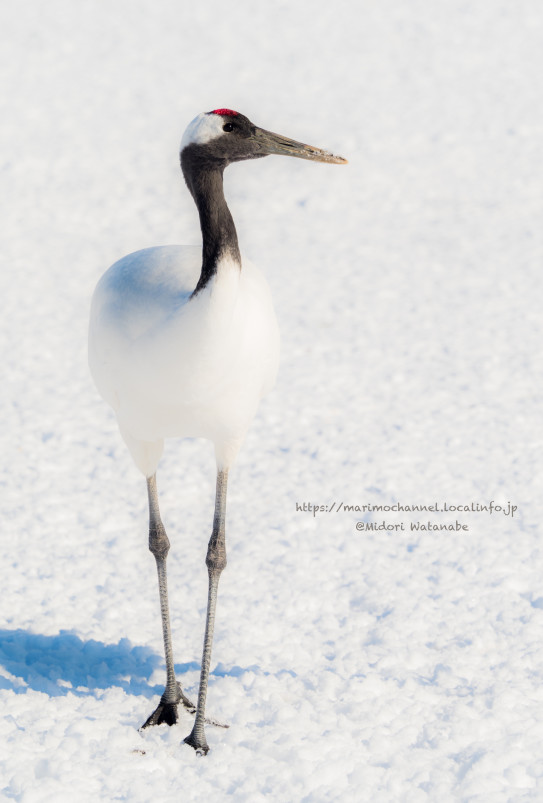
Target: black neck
<point>204,179</point>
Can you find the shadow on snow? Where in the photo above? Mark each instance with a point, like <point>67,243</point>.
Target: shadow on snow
<point>60,664</point>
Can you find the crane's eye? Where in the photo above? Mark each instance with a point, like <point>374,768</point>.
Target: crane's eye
<point>228,127</point>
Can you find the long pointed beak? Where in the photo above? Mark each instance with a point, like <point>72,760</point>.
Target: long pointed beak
<point>275,143</point>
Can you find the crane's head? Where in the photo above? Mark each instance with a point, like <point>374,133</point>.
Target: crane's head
<point>223,136</point>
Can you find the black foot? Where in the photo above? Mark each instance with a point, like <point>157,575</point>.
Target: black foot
<point>166,711</point>
<point>200,745</point>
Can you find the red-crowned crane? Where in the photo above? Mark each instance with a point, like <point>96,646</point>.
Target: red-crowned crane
<point>184,343</point>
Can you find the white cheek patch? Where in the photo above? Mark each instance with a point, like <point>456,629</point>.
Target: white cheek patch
<point>203,129</point>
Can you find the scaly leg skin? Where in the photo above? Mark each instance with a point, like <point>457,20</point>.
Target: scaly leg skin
<point>159,545</point>
<point>215,561</point>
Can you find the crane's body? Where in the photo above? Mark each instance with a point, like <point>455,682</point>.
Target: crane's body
<point>184,342</point>
<point>175,366</point>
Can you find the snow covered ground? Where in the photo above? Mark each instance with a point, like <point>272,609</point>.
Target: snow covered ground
<point>352,664</point>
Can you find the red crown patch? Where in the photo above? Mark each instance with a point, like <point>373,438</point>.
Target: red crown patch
<point>225,112</point>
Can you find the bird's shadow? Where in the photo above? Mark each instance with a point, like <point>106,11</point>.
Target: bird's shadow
<point>65,663</point>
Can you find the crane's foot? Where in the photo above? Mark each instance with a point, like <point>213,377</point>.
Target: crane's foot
<point>166,711</point>
<point>199,744</point>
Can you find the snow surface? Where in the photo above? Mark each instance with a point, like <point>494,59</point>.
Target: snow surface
<point>351,665</point>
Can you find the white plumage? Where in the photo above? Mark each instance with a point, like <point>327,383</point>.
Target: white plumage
<point>175,366</point>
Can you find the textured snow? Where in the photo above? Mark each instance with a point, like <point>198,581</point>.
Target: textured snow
<point>351,664</point>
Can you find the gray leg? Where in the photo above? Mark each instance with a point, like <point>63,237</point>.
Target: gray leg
<point>215,561</point>
<point>159,545</point>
